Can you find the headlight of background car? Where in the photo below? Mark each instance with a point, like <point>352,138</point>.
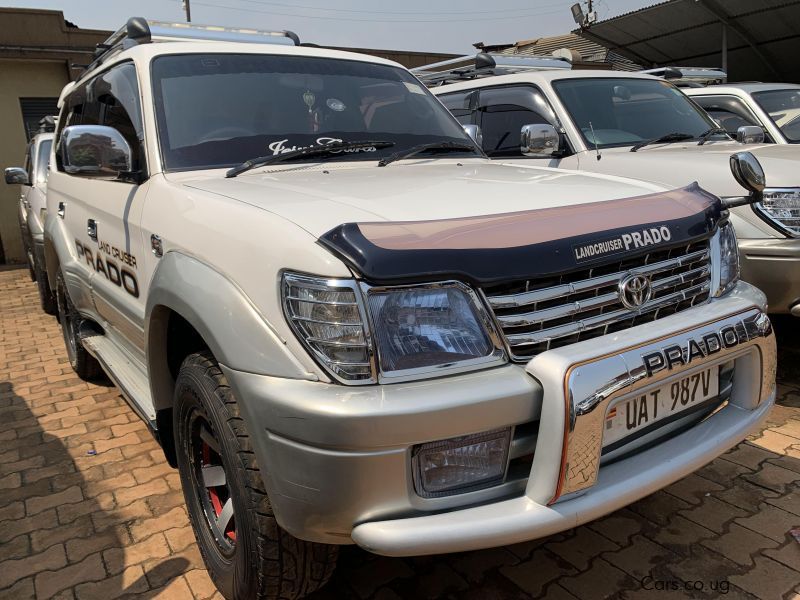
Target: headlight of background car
<point>421,330</point>
<point>729,259</point>
<point>781,208</point>
<point>428,326</point>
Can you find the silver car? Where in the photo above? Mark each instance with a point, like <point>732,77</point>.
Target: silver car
<point>32,179</point>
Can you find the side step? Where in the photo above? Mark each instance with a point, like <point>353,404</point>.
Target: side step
<point>126,375</point>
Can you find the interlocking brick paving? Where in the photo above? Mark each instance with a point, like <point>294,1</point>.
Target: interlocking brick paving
<point>90,509</point>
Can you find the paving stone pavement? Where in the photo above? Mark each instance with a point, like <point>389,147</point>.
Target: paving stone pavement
<point>90,509</point>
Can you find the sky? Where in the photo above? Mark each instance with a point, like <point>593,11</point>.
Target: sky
<point>421,25</point>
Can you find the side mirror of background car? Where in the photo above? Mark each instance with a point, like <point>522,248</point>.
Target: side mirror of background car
<point>750,134</point>
<point>750,175</point>
<point>95,151</point>
<point>538,140</point>
<point>16,175</point>
<point>474,131</point>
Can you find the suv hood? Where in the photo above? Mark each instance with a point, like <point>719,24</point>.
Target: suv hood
<point>676,164</point>
<point>318,198</point>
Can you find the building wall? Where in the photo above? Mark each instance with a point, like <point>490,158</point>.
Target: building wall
<point>21,79</point>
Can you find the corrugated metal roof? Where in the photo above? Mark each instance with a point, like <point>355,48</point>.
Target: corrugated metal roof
<point>763,36</point>
<point>590,52</point>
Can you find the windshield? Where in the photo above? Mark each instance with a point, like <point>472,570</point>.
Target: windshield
<point>43,160</point>
<point>219,110</point>
<point>783,107</point>
<point>622,112</point>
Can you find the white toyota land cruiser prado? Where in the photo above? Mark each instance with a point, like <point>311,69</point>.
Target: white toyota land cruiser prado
<point>346,325</point>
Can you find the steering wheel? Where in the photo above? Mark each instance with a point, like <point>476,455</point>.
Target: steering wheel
<point>225,133</point>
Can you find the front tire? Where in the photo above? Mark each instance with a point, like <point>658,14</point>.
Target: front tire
<point>245,551</point>
<point>83,363</point>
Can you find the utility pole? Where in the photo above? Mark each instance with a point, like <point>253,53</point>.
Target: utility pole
<point>188,11</point>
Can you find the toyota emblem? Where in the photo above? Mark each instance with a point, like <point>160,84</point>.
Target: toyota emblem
<point>634,290</point>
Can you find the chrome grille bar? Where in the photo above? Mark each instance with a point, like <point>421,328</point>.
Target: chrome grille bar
<point>526,298</point>
<point>533,321</point>
<point>605,319</point>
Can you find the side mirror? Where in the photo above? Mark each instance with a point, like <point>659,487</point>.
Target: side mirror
<point>749,174</point>
<point>750,134</point>
<point>475,133</point>
<point>17,176</point>
<point>538,140</point>
<point>95,151</point>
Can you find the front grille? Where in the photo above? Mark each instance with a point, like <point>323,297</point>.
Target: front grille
<point>536,315</point>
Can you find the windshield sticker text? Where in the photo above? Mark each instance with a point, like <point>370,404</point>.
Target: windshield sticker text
<point>623,242</point>
<point>280,146</point>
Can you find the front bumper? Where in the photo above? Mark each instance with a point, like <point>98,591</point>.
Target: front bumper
<point>337,460</point>
<point>773,265</point>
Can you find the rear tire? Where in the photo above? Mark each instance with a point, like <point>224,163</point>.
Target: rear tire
<point>46,298</point>
<point>247,554</point>
<point>83,363</point>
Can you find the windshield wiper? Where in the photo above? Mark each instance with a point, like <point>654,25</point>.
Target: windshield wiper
<point>263,161</point>
<point>438,146</point>
<point>707,134</point>
<point>670,137</point>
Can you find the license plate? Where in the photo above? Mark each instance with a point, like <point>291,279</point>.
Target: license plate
<point>636,413</point>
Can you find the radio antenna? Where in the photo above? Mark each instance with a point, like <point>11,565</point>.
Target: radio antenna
<point>594,139</point>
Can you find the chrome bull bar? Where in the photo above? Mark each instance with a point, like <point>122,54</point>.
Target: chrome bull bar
<point>590,385</point>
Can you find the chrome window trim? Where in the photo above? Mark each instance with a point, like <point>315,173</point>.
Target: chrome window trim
<point>759,210</point>
<point>496,358</point>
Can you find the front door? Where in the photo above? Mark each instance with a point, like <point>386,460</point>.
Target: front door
<point>114,211</point>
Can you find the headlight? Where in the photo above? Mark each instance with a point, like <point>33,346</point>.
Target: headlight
<point>328,318</point>
<point>426,328</point>
<point>729,259</point>
<point>417,331</point>
<point>781,208</point>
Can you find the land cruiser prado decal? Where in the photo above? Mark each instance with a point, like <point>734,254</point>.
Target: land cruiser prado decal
<point>495,248</point>
<point>120,275</point>
<point>624,242</point>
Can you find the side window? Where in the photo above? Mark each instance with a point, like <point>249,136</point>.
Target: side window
<point>462,105</point>
<point>729,111</point>
<point>42,161</point>
<point>111,99</point>
<point>503,112</point>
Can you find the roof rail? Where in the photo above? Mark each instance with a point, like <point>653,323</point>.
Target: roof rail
<point>485,64</point>
<point>139,30</point>
<point>689,76</point>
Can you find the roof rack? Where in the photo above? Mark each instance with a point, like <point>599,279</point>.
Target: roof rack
<point>485,64</point>
<point>689,76</point>
<point>139,30</point>
<point>47,124</point>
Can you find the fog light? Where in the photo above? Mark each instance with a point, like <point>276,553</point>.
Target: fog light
<point>461,464</point>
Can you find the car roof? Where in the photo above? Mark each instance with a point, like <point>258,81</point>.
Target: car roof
<point>744,87</point>
<point>540,77</point>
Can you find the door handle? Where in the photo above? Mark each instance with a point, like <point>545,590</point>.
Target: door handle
<point>62,209</point>
<point>91,229</point>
